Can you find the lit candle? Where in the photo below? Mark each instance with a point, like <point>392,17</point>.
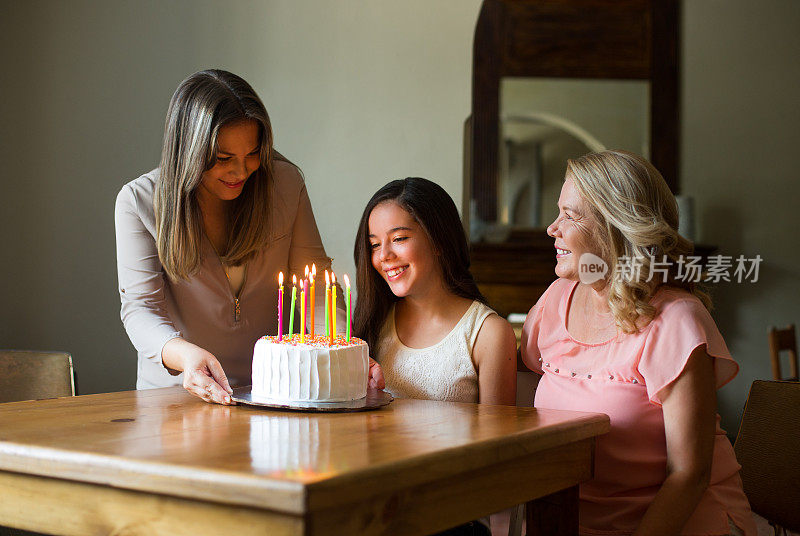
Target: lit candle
<point>305,295</point>
<point>311,305</point>
<point>291,311</point>
<point>303,310</point>
<point>347,304</point>
<point>333,305</point>
<point>327,302</point>
<point>280,306</point>
<point>330,315</point>
<point>311,301</point>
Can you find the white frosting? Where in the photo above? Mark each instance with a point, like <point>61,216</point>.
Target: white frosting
<point>309,373</point>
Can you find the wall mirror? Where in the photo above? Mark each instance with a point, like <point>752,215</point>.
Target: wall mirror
<point>552,80</point>
<point>545,121</point>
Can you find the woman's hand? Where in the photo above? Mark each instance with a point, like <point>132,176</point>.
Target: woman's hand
<point>375,380</point>
<point>202,374</point>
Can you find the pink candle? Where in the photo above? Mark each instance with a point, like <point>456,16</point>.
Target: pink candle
<point>313,276</point>
<point>311,306</point>
<point>327,303</point>
<point>280,306</point>
<point>333,306</point>
<point>305,312</point>
<point>305,290</point>
<point>303,287</point>
<point>347,306</point>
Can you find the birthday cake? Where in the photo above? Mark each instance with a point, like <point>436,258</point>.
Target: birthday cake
<point>315,370</point>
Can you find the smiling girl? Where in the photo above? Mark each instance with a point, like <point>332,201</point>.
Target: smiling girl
<point>419,307</point>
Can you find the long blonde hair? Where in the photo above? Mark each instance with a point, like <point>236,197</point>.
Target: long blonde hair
<point>201,105</point>
<point>638,220</point>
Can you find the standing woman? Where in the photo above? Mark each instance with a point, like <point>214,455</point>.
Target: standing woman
<point>640,346</point>
<point>201,239</point>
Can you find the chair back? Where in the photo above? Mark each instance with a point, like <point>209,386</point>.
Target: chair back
<point>27,375</point>
<point>768,448</point>
<point>780,340</point>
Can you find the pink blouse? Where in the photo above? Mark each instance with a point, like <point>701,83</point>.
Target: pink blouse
<point>624,378</point>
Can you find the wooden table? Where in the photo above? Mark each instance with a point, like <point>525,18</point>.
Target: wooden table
<point>164,462</point>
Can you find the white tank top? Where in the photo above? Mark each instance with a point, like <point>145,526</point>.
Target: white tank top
<point>444,371</point>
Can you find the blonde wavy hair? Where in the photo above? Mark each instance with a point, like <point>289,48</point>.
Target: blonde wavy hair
<point>637,219</point>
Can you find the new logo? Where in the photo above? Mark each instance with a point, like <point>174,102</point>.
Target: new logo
<point>591,268</point>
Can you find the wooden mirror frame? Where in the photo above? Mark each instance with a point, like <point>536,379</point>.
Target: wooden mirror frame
<point>613,39</point>
<point>597,39</point>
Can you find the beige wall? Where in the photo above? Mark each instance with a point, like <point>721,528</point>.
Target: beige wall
<point>360,92</point>
<point>740,117</point>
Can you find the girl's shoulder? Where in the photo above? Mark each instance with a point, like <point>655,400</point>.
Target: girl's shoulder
<point>490,325</point>
<point>483,312</point>
<point>493,342</point>
<point>485,324</point>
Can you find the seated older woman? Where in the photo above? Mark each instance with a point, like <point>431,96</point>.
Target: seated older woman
<point>621,333</point>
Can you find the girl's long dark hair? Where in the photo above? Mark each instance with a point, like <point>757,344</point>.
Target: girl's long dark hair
<point>434,210</point>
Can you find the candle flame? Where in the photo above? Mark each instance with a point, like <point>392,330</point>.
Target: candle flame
<point>306,270</point>
<point>327,278</point>
<point>333,278</point>
<point>280,278</point>
<point>294,279</point>
<point>311,278</point>
<point>346,281</point>
<point>313,269</point>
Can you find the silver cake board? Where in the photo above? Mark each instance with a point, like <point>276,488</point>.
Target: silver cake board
<point>376,398</point>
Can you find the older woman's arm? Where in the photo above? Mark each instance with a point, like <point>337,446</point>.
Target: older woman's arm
<point>689,405</point>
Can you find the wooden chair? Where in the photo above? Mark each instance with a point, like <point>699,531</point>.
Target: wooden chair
<point>768,449</point>
<point>779,340</point>
<point>27,375</point>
